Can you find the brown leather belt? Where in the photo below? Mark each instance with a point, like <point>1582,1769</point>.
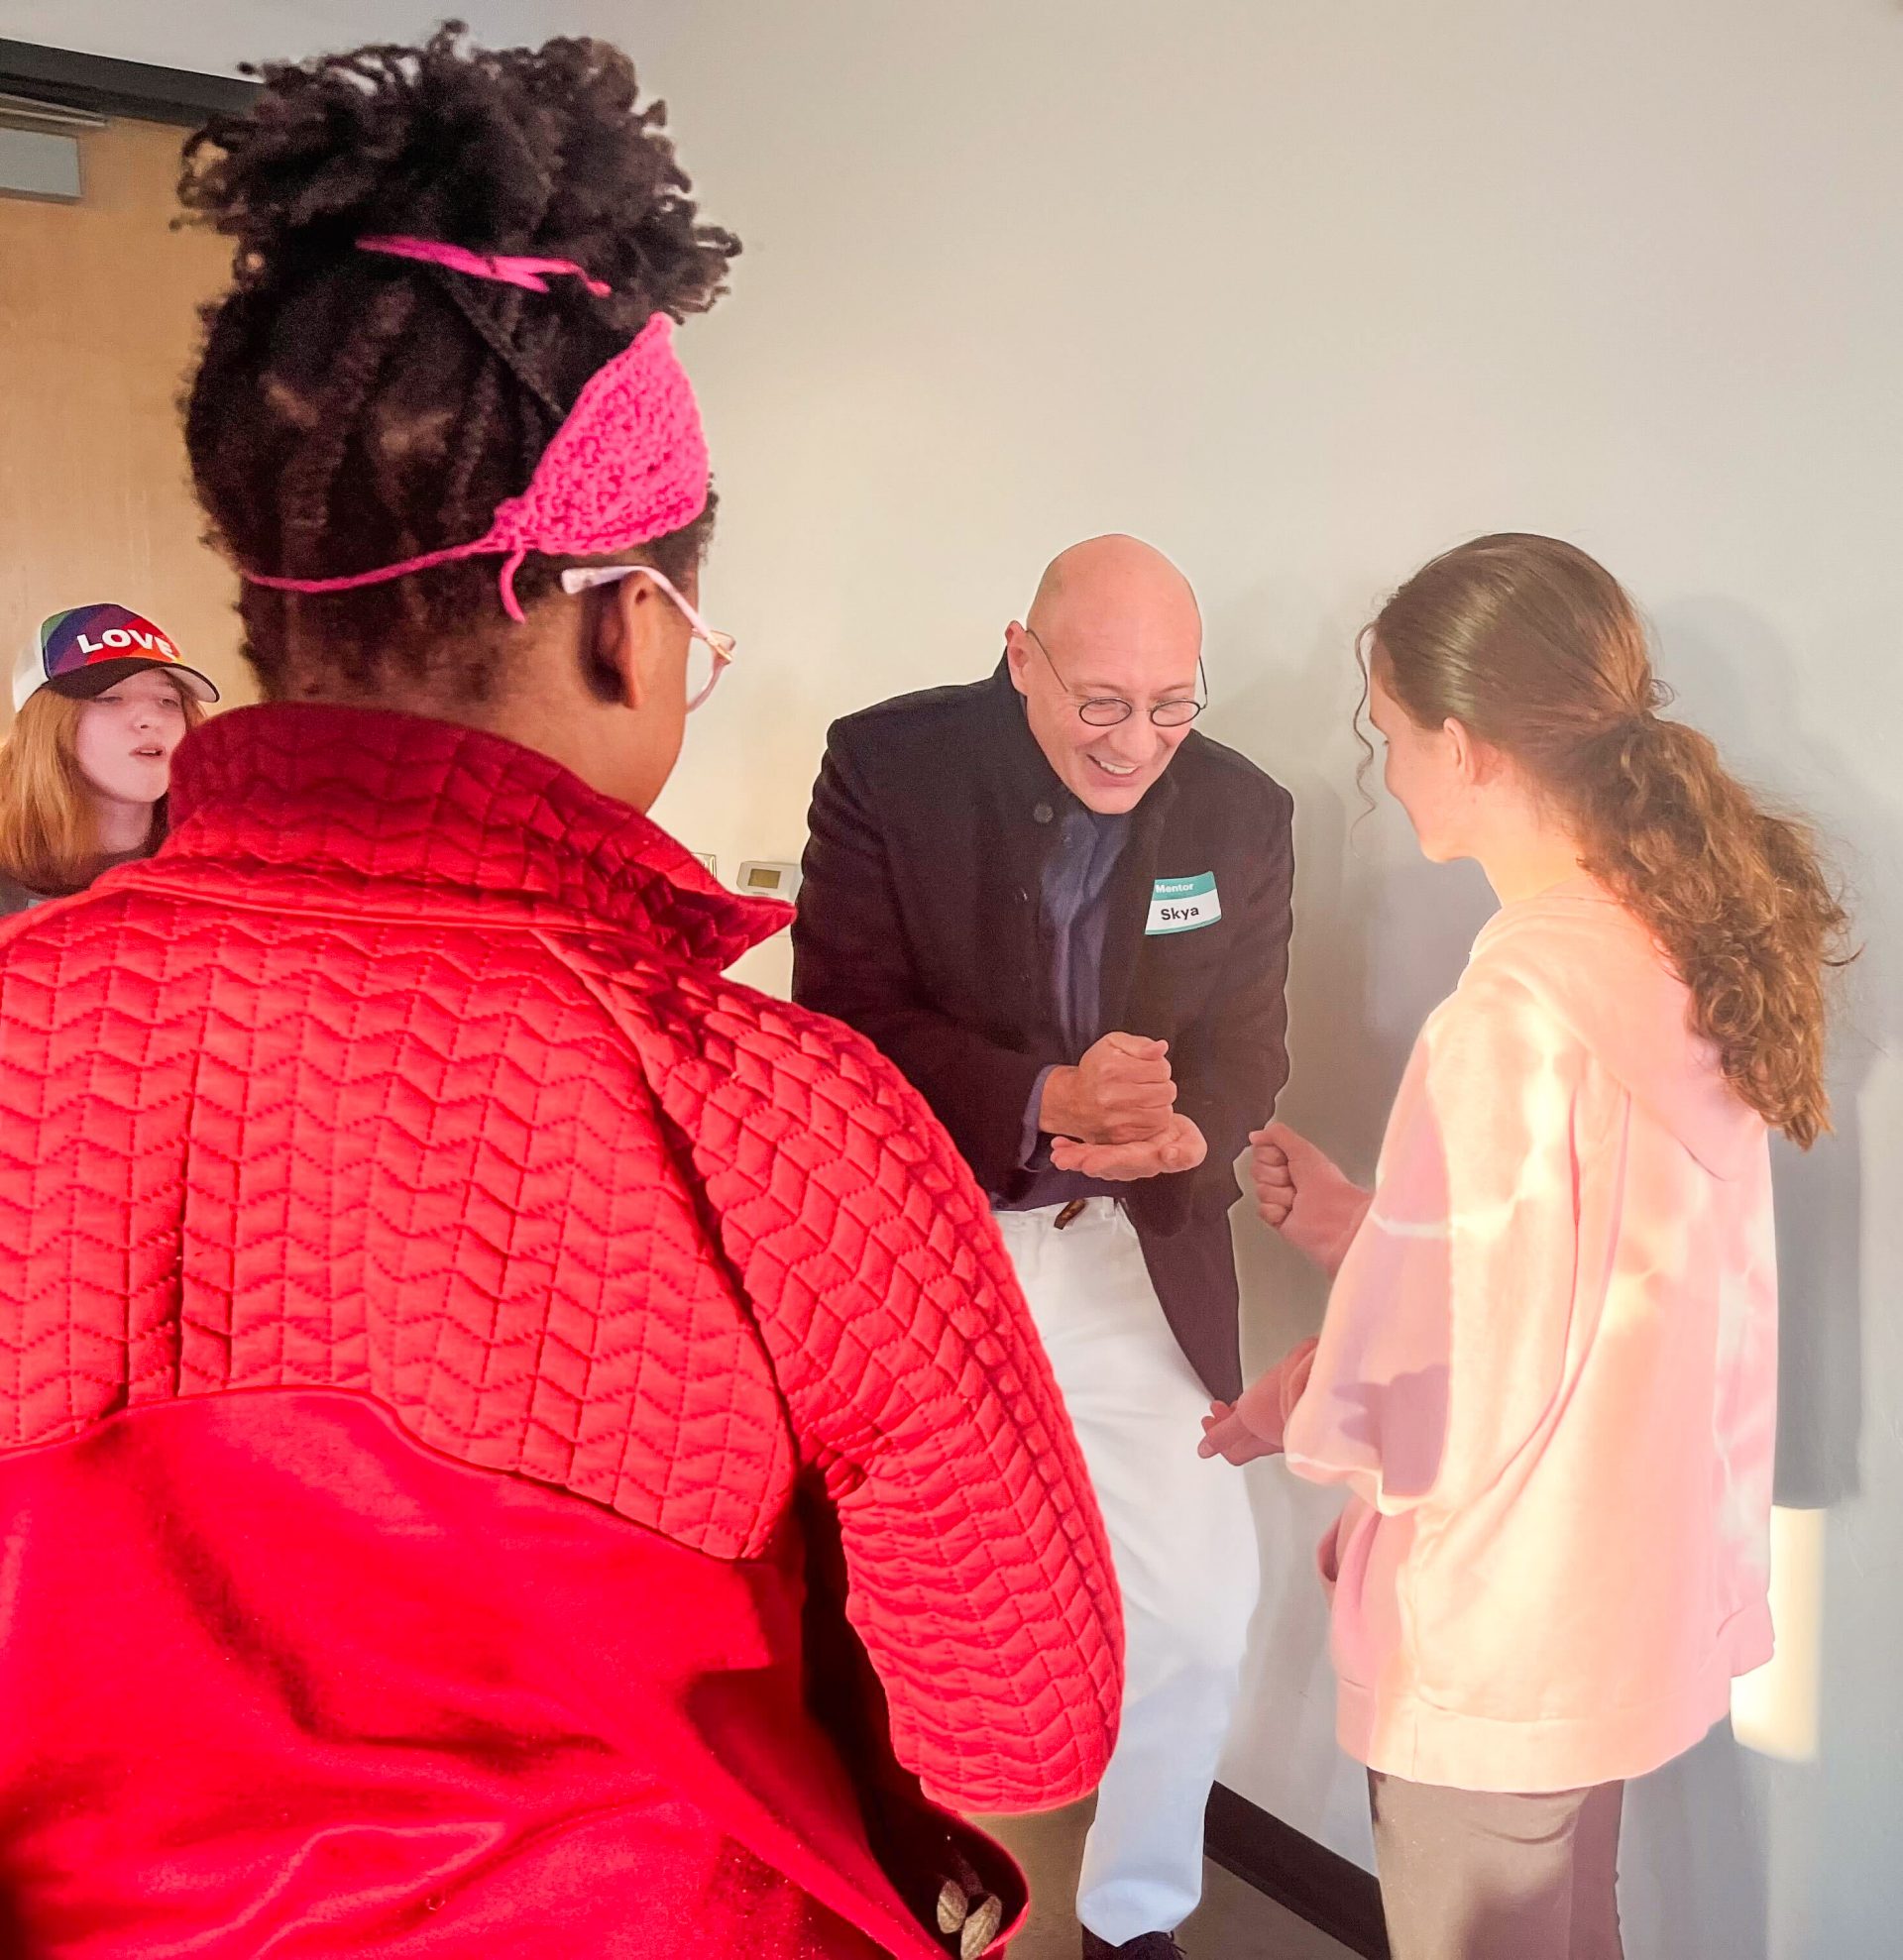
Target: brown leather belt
<point>1071,1213</point>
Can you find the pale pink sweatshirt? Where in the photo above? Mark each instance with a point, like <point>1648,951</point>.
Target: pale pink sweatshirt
<point>1548,1376</point>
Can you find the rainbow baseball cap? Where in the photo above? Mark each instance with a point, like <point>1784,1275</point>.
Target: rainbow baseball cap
<point>84,651</point>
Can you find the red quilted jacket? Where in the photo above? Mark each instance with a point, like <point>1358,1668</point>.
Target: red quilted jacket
<point>477,1387</point>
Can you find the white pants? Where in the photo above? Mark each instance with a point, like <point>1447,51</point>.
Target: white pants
<point>1185,1551</point>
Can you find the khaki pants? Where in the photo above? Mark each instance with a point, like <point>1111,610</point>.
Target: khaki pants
<point>1468,1875</point>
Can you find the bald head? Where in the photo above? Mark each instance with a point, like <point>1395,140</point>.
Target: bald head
<point>1116,586</point>
<point>1113,621</point>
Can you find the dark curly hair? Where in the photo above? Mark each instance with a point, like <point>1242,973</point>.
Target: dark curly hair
<point>351,411</point>
<point>1539,650</point>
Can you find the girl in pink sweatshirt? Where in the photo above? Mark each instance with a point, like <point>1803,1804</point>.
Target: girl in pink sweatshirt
<point>1547,1374</point>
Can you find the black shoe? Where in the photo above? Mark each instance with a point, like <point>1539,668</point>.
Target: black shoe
<point>1146,1946</point>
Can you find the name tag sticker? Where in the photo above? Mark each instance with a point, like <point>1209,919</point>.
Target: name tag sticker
<point>1181,905</point>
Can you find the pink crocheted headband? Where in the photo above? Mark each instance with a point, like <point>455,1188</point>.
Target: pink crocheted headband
<point>629,464</point>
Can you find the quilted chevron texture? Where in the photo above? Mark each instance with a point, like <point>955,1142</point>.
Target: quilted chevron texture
<point>406,1072</point>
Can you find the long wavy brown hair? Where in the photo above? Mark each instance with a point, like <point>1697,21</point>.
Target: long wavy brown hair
<point>49,827</point>
<point>1537,650</point>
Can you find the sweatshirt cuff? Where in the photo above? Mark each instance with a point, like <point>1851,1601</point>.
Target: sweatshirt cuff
<point>1266,1405</point>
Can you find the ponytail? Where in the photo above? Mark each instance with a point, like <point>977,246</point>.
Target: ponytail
<point>1735,895</point>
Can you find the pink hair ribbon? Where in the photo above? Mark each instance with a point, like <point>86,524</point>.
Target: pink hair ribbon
<point>528,274</point>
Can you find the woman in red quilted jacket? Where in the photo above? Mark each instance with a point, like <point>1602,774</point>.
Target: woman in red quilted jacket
<point>514,1445</point>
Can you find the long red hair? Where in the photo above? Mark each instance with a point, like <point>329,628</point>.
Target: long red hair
<point>49,827</point>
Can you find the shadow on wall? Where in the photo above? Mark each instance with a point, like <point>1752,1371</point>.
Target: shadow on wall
<point>1693,1857</point>
<point>1699,1836</point>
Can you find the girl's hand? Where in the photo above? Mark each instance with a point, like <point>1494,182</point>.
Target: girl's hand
<point>1255,1424</point>
<point>1226,1434</point>
<point>1304,1195</point>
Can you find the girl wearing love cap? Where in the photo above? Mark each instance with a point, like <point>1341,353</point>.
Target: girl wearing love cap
<point>101,698</point>
<point>520,1445</point>
<point>1547,1373</point>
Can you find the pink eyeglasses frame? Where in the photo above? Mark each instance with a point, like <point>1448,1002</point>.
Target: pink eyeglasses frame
<point>578,578</point>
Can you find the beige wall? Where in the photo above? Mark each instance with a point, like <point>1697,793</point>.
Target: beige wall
<point>97,325</point>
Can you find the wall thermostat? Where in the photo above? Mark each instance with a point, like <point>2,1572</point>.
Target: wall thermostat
<point>759,879</point>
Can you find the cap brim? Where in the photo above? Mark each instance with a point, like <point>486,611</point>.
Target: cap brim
<point>99,675</point>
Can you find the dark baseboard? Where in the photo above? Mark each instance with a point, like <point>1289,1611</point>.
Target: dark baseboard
<point>1312,1881</point>
<point>118,88</point>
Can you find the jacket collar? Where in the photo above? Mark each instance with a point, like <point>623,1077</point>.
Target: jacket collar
<point>316,804</point>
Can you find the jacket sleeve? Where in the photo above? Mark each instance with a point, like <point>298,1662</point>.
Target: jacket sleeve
<point>851,960</point>
<point>1232,1061</point>
<point>978,1577</point>
<point>1444,1345</point>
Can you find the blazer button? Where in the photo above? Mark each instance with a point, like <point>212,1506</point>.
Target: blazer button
<point>1042,812</point>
